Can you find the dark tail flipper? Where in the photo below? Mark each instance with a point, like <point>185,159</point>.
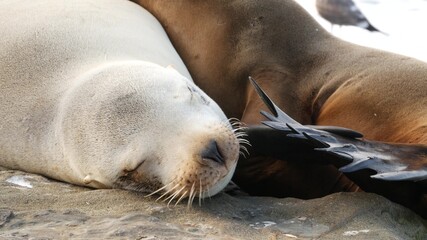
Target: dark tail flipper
<point>341,147</point>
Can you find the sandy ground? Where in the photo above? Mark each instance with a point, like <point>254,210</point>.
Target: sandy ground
<point>34,207</point>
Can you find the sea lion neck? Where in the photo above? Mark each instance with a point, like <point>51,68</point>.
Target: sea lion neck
<point>241,21</point>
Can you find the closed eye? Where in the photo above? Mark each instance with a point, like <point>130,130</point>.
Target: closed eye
<point>194,91</point>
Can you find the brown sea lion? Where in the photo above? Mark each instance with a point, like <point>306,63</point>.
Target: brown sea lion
<point>314,77</point>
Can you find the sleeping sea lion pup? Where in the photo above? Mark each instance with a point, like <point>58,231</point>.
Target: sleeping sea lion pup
<point>86,100</point>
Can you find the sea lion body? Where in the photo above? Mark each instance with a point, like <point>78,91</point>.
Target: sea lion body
<point>87,98</point>
<point>311,75</point>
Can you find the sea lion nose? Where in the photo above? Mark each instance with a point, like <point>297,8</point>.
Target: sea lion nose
<point>211,152</point>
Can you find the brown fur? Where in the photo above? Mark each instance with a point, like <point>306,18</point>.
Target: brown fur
<point>311,75</point>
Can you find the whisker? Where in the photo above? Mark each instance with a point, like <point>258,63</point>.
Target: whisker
<point>227,122</point>
<point>243,148</point>
<point>239,130</point>
<point>242,125</point>
<point>240,134</point>
<point>189,201</point>
<point>171,196</point>
<point>158,190</point>
<point>244,152</point>
<point>209,195</point>
<point>244,141</point>
<point>175,194</point>
<point>234,121</point>
<point>192,198</point>
<point>167,192</point>
<point>182,197</point>
<point>191,194</point>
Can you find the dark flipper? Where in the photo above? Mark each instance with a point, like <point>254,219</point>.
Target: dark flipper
<point>342,147</point>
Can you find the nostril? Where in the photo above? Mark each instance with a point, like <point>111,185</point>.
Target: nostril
<point>211,152</point>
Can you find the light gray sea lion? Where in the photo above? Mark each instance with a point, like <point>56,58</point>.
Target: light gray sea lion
<point>87,98</point>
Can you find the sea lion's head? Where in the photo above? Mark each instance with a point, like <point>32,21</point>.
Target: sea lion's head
<point>143,127</point>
